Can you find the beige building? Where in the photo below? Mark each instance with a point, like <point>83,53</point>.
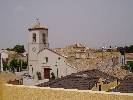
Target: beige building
<point>42,59</point>
<point>128,57</point>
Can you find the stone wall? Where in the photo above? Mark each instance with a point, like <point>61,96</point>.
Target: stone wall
<point>12,92</point>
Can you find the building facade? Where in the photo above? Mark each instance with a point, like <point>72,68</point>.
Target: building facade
<point>43,60</point>
<point>3,56</point>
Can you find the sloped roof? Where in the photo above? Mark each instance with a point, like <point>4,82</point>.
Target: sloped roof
<point>126,86</point>
<point>52,51</point>
<point>84,80</point>
<point>59,55</point>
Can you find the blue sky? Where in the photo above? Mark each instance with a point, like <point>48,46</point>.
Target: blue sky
<point>95,23</point>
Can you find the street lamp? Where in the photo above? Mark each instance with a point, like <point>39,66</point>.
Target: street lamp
<point>57,68</point>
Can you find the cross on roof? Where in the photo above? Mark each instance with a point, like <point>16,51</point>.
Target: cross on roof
<point>37,21</point>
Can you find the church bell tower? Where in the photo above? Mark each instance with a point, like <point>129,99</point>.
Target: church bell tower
<point>37,41</point>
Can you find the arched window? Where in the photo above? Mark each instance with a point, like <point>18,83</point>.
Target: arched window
<point>44,38</point>
<point>34,37</point>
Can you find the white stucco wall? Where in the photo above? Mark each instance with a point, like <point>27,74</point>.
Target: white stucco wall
<point>33,64</point>
<point>71,70</point>
<point>53,60</point>
<point>4,55</point>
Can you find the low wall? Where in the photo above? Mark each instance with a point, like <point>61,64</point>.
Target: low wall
<point>12,92</point>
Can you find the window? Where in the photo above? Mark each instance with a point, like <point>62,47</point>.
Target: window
<point>46,59</point>
<point>34,37</point>
<point>44,38</point>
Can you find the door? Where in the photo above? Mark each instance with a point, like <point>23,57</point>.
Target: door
<point>47,73</point>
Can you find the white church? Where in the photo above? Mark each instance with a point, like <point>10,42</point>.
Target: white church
<point>43,60</point>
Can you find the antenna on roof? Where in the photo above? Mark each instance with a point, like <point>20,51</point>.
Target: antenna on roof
<point>37,21</point>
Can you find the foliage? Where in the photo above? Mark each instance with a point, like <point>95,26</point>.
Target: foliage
<point>126,49</point>
<point>5,66</point>
<point>121,50</point>
<point>39,75</point>
<point>18,65</point>
<point>128,66</point>
<point>125,67</point>
<point>52,76</point>
<point>9,49</point>
<point>24,65</point>
<point>19,48</point>
<point>14,65</point>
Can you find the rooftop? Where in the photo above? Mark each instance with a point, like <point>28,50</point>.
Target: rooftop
<point>84,80</point>
<point>126,86</point>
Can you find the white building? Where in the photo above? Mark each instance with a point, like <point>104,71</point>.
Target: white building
<point>42,59</point>
<point>3,55</point>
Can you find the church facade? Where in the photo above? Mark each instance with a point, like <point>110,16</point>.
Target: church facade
<point>41,59</point>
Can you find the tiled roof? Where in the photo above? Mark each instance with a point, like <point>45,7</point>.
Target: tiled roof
<point>84,80</point>
<point>126,86</point>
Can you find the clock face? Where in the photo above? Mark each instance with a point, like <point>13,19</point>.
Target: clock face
<point>34,49</point>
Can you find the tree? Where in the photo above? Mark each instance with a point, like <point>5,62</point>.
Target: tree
<point>127,49</point>
<point>121,50</point>
<point>39,75</point>
<point>19,48</point>
<point>5,66</point>
<point>52,76</point>
<point>17,65</point>
<point>130,65</point>
<point>14,65</point>
<point>9,49</point>
<point>24,64</point>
